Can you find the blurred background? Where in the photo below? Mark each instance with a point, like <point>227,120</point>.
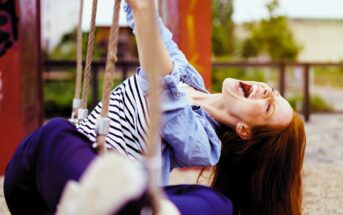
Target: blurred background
<point>280,36</point>
<point>294,45</point>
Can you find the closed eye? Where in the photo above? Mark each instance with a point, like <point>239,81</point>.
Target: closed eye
<point>268,107</point>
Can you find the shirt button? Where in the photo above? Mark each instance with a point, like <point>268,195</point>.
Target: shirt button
<point>177,94</point>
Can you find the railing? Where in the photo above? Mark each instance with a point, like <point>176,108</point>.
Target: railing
<point>124,67</point>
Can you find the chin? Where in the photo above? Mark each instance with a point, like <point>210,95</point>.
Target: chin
<point>229,84</point>
<point>230,88</point>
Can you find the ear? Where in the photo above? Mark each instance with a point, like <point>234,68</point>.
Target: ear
<point>243,130</point>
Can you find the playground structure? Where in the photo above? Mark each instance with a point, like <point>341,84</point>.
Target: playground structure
<point>20,69</point>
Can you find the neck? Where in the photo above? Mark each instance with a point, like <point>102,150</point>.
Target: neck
<point>214,105</point>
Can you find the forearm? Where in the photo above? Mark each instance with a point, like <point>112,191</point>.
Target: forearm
<point>153,54</point>
<point>167,37</point>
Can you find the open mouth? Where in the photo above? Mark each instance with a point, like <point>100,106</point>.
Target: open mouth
<point>247,89</point>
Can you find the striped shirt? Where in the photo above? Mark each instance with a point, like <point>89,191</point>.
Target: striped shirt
<point>128,114</point>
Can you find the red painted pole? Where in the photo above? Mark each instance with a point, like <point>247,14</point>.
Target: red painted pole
<point>190,22</point>
<point>20,81</point>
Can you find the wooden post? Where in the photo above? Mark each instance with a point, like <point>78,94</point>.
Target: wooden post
<point>124,72</point>
<point>282,79</point>
<point>190,22</point>
<point>95,86</point>
<point>306,101</point>
<point>20,69</point>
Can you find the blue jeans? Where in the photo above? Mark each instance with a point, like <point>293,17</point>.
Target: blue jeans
<point>56,153</point>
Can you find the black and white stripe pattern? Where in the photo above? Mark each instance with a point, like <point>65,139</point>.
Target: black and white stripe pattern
<point>128,114</point>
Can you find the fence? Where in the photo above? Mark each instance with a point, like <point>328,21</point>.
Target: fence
<point>97,66</point>
<point>125,66</point>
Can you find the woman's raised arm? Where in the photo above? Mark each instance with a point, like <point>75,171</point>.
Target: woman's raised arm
<point>153,55</point>
<point>167,37</point>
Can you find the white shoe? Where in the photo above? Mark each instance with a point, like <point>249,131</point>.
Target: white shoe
<point>107,185</point>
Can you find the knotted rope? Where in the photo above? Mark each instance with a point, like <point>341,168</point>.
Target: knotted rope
<point>76,100</point>
<point>103,122</point>
<point>83,112</point>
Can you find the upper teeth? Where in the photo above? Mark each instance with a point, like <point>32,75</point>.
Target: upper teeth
<point>253,90</point>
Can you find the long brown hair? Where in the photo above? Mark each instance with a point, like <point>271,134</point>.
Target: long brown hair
<point>262,175</point>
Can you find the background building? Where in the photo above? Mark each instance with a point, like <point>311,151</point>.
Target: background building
<point>321,38</point>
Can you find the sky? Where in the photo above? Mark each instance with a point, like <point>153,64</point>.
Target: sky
<point>244,10</point>
<point>60,16</point>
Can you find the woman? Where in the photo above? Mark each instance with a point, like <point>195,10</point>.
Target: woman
<point>247,112</point>
<point>187,107</point>
<point>263,139</point>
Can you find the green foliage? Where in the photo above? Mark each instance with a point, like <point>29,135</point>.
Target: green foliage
<point>222,28</point>
<point>317,103</point>
<point>58,96</point>
<point>67,48</point>
<point>271,38</point>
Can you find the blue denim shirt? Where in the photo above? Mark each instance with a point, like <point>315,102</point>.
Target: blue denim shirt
<point>187,131</point>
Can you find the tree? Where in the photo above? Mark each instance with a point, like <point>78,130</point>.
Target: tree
<point>222,27</point>
<point>271,37</point>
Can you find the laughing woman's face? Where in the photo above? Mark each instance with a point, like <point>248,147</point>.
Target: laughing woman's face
<point>256,103</point>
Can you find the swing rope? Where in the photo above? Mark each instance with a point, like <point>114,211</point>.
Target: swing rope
<point>103,123</point>
<point>83,111</point>
<point>77,96</point>
<point>153,156</point>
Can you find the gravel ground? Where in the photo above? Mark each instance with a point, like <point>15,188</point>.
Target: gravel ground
<point>323,168</point>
